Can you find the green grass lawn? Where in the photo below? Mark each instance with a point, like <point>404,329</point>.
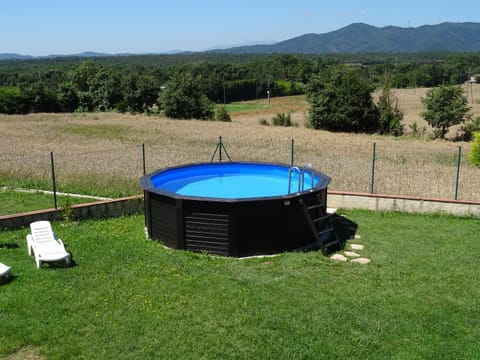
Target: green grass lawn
<point>130,298</point>
<point>13,202</point>
<point>245,106</point>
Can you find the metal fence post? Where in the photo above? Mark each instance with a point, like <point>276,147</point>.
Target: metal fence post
<point>143,158</point>
<point>53,180</point>
<point>458,171</point>
<point>292,152</point>
<point>372,185</point>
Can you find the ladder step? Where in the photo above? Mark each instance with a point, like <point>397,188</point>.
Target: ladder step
<point>316,206</point>
<point>325,231</point>
<point>331,243</point>
<point>320,218</point>
<point>331,247</point>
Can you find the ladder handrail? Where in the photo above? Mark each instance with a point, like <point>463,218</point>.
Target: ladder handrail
<point>310,167</point>
<point>290,172</point>
<point>301,176</point>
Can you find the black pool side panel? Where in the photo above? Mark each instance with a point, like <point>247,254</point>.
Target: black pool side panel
<point>259,228</point>
<point>163,221</point>
<point>208,232</point>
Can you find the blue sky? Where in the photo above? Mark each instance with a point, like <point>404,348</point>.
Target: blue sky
<point>44,27</point>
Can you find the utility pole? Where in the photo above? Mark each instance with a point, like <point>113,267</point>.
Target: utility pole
<point>470,85</point>
<point>224,94</point>
<point>268,91</point>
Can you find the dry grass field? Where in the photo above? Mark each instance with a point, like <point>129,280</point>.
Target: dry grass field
<point>101,153</point>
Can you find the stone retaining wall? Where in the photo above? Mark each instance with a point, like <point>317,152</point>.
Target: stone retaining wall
<point>97,209</point>
<point>378,202</point>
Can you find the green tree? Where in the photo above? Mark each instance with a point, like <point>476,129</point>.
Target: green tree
<point>104,88</point>
<point>390,115</point>
<point>340,100</point>
<point>83,75</point>
<point>474,156</point>
<point>445,106</point>
<point>13,101</point>
<point>182,98</point>
<point>67,97</point>
<point>41,98</point>
<point>140,92</point>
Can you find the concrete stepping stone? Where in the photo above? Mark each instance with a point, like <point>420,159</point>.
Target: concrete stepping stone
<point>357,246</point>
<point>357,237</point>
<point>351,254</point>
<point>338,257</point>
<point>361,260</point>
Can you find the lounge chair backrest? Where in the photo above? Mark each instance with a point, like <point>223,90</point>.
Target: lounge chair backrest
<point>42,232</point>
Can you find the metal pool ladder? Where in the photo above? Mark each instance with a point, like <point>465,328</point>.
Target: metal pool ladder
<point>319,221</point>
<point>315,212</point>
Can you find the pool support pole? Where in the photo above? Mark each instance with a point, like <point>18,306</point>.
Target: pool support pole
<point>219,149</point>
<point>53,180</point>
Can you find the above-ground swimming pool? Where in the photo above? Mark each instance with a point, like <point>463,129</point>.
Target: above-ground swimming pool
<point>236,208</point>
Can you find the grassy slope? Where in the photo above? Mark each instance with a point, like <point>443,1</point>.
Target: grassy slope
<point>128,297</point>
<point>16,202</point>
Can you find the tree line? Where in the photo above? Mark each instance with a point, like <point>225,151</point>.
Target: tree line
<point>135,83</point>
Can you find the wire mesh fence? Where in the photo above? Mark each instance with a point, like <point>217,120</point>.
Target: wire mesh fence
<point>115,171</point>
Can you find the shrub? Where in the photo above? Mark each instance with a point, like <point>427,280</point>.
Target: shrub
<point>467,130</point>
<point>417,131</point>
<point>263,121</point>
<point>390,115</point>
<point>222,114</point>
<point>474,156</point>
<point>282,119</point>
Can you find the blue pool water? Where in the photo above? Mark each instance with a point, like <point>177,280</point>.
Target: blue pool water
<point>232,180</point>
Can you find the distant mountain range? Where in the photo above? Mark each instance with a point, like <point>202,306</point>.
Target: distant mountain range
<point>363,38</point>
<point>354,38</point>
<point>10,56</point>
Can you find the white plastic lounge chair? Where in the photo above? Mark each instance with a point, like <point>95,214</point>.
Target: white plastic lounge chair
<point>4,271</point>
<point>44,246</point>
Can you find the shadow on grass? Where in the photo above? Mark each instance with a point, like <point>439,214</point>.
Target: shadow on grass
<point>4,280</point>
<point>61,264</point>
<point>8,246</point>
<point>345,228</point>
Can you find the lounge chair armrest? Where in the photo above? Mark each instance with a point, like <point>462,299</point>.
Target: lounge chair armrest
<point>30,244</point>
<point>61,242</point>
<point>30,240</point>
